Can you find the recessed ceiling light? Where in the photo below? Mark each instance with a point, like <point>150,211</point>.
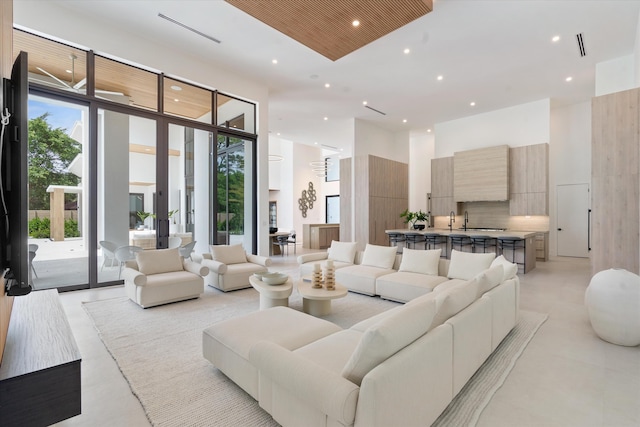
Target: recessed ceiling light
<point>278,133</point>
<point>315,143</point>
<point>355,23</point>
<point>568,79</point>
<point>326,118</point>
<point>327,85</point>
<point>364,102</point>
<point>176,99</point>
<point>176,88</point>
<point>342,149</point>
<point>473,104</point>
<point>428,130</point>
<point>147,149</point>
<point>274,61</point>
<point>555,39</point>
<point>407,50</point>
<point>440,77</point>
<point>404,120</point>
<point>68,71</point>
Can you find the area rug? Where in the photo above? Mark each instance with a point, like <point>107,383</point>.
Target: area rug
<point>159,352</point>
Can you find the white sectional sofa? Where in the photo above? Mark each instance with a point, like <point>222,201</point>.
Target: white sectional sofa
<point>343,254</point>
<point>401,367</point>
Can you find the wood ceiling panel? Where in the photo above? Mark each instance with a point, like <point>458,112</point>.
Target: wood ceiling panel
<point>326,25</point>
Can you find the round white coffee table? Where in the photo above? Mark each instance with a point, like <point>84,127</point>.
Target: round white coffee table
<point>317,302</point>
<point>272,295</point>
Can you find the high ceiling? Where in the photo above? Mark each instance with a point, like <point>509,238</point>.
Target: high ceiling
<point>494,53</point>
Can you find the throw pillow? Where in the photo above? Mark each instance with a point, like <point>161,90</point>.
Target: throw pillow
<point>453,300</point>
<point>490,278</point>
<point>388,336</point>
<point>159,261</point>
<point>466,265</point>
<point>510,269</point>
<point>228,254</point>
<point>420,261</point>
<point>342,251</point>
<point>379,256</point>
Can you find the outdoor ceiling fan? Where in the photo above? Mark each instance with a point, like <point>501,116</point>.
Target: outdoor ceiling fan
<point>73,86</point>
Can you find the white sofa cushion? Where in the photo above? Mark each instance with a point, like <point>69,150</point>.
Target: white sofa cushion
<point>228,254</point>
<point>379,256</point>
<point>404,286</point>
<point>420,261</point>
<point>510,269</point>
<point>159,261</point>
<point>467,265</point>
<point>342,251</point>
<point>490,278</point>
<point>387,337</point>
<point>453,300</point>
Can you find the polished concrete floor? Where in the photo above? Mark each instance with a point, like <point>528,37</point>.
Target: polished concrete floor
<point>566,377</point>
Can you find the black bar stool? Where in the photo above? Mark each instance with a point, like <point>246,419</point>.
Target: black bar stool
<point>413,238</point>
<point>461,240</point>
<point>433,239</point>
<point>396,238</point>
<point>513,243</point>
<point>483,242</point>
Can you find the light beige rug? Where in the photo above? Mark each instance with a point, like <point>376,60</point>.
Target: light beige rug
<point>159,351</point>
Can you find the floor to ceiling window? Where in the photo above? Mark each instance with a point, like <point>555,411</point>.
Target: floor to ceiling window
<point>139,169</point>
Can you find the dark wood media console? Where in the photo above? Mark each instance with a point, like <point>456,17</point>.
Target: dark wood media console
<point>40,370</point>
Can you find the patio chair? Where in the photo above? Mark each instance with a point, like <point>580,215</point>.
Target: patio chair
<point>124,254</point>
<point>32,254</point>
<point>174,242</point>
<point>108,252</point>
<point>186,250</point>
<point>292,241</point>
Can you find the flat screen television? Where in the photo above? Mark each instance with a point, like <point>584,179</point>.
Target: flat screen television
<point>14,229</point>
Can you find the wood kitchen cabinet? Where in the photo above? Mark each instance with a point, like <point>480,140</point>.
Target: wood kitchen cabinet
<point>481,175</point>
<point>442,186</point>
<point>529,180</point>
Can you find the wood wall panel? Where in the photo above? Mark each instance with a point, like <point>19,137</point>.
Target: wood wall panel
<point>442,177</point>
<point>346,222</point>
<point>615,170</point>
<point>481,175</point>
<point>361,200</point>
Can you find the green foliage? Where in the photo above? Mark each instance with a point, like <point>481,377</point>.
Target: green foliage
<point>40,228</point>
<point>71,228</point>
<point>51,151</point>
<point>413,217</point>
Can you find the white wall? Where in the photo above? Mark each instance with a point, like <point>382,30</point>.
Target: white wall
<point>370,139</point>
<point>524,124</point>
<point>421,147</point>
<point>615,75</point>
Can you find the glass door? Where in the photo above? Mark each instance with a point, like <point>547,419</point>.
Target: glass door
<point>58,193</point>
<point>235,198</point>
<point>126,189</point>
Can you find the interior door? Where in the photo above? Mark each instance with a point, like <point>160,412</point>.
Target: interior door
<point>573,220</point>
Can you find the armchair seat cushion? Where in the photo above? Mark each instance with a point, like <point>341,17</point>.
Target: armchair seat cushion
<point>172,278</point>
<point>229,277</point>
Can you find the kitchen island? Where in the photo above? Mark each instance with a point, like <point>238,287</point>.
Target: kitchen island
<point>526,255</point>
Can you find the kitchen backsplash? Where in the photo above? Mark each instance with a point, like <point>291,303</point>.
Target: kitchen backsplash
<point>493,215</point>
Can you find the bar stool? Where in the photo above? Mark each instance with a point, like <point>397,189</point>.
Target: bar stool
<point>483,242</point>
<point>433,239</point>
<point>461,240</point>
<point>395,238</point>
<point>513,243</point>
<point>413,238</point>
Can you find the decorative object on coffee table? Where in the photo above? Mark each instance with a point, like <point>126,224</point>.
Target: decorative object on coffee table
<point>329,275</point>
<point>613,305</point>
<point>316,277</point>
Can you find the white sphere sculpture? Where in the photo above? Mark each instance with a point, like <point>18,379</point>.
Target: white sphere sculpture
<point>613,305</point>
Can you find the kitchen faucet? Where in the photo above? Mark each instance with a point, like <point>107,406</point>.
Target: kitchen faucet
<point>466,220</point>
<point>452,219</point>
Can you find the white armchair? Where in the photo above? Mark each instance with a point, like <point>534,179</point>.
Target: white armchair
<point>230,266</point>
<point>162,276</point>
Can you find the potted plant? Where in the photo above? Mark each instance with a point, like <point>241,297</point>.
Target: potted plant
<point>143,216</point>
<point>412,218</point>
